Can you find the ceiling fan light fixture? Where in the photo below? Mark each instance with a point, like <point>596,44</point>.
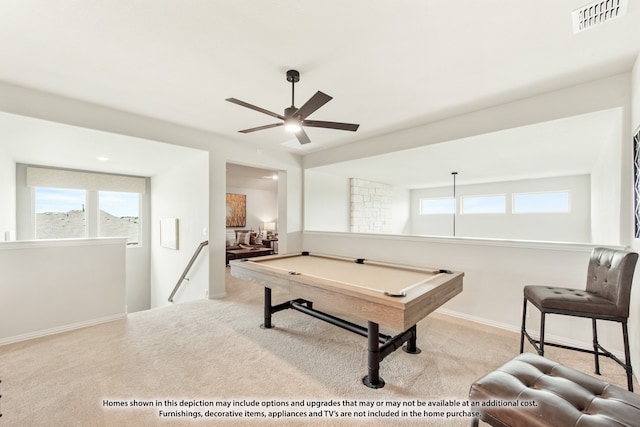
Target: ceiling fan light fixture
<point>292,125</point>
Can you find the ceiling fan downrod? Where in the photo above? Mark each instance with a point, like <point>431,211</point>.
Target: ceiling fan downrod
<point>293,76</point>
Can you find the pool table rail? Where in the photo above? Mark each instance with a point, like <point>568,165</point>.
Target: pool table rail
<point>399,313</point>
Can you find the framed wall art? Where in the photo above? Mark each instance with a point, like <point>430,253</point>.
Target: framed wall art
<point>236,210</point>
<point>169,233</point>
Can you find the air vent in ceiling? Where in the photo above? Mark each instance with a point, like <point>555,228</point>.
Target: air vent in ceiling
<point>597,13</point>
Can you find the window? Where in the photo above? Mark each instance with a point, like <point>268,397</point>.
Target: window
<point>119,215</point>
<point>483,204</point>
<point>441,205</point>
<point>60,213</point>
<point>557,201</point>
<point>74,204</point>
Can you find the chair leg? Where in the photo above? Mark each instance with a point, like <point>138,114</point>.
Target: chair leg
<point>627,356</point>
<point>541,346</point>
<point>523,327</point>
<point>596,351</point>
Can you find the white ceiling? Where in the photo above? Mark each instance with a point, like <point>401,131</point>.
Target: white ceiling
<point>250,177</point>
<point>388,65</point>
<point>39,142</point>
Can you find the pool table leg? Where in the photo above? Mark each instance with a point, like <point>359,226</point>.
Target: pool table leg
<point>373,380</point>
<point>267,309</point>
<point>411,346</point>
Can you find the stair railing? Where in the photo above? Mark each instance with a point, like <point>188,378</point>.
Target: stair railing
<point>186,270</point>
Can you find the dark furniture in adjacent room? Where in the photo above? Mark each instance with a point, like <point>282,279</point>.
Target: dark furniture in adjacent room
<point>246,244</point>
<point>247,253</point>
<point>606,297</point>
<point>269,242</point>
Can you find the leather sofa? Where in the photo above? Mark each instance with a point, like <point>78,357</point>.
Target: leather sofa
<point>531,390</point>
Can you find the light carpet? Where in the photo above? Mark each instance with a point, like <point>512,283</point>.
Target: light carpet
<point>214,351</point>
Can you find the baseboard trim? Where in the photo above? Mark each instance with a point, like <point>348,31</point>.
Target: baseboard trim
<point>219,295</point>
<point>60,329</point>
<point>507,327</point>
<point>480,320</point>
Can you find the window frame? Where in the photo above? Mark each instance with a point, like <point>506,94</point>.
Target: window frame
<point>92,216</point>
<point>92,183</point>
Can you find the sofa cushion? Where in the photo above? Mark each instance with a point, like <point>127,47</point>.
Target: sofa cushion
<point>243,237</point>
<point>230,237</point>
<point>531,390</point>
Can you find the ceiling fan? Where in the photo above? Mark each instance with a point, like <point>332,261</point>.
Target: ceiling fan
<point>294,119</point>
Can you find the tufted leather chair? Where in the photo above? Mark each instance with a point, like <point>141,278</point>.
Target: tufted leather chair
<point>606,297</point>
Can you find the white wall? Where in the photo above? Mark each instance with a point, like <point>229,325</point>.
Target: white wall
<point>574,226</point>
<point>606,190</point>
<point>181,192</point>
<point>262,206</point>
<point>635,95</point>
<point>23,204</point>
<point>139,261</point>
<point>495,273</point>
<point>401,211</point>
<point>46,106</point>
<point>138,257</point>
<point>78,282</point>
<point>634,316</point>
<point>7,195</point>
<point>329,207</point>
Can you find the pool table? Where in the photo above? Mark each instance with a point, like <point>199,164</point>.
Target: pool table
<point>392,295</point>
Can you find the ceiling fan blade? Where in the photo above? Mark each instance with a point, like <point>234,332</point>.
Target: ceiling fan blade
<point>315,102</point>
<point>302,136</point>
<point>253,107</point>
<point>331,125</point>
<point>261,127</point>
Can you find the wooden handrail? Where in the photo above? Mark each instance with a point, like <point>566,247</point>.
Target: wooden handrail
<point>186,270</point>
